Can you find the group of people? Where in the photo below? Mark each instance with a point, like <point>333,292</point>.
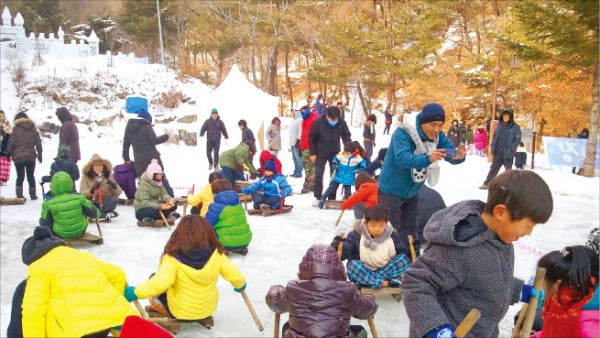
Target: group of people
<point>439,287</point>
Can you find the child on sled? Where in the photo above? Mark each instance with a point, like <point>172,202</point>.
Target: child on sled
<point>321,301</point>
<point>185,285</point>
<point>269,191</point>
<point>98,185</point>
<point>376,255</point>
<point>364,197</point>
<point>200,201</point>
<point>151,197</point>
<point>62,162</point>
<point>228,218</point>
<point>346,164</point>
<point>67,293</point>
<point>66,212</point>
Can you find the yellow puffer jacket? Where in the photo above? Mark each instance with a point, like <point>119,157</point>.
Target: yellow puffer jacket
<point>205,196</point>
<point>191,293</point>
<point>71,293</point>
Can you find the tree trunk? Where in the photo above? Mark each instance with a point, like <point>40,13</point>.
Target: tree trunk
<point>363,102</point>
<point>308,87</point>
<point>253,62</point>
<point>287,76</point>
<point>590,153</point>
<point>272,89</point>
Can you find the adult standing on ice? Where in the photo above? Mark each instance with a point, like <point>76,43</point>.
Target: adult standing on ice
<point>309,116</point>
<point>68,134</point>
<point>213,127</point>
<point>295,134</point>
<point>411,159</point>
<point>274,136</point>
<point>24,146</point>
<point>141,137</point>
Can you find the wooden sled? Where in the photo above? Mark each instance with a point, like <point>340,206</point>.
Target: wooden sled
<point>181,200</point>
<point>333,204</point>
<point>87,237</point>
<point>239,185</point>
<point>158,223</point>
<point>124,201</point>
<point>245,198</point>
<point>11,201</point>
<point>171,324</point>
<point>394,291</point>
<point>284,210</point>
<point>101,220</point>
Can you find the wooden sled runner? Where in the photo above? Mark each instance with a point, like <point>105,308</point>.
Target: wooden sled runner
<point>88,237</point>
<point>284,210</point>
<point>11,201</point>
<point>333,204</point>
<point>159,223</point>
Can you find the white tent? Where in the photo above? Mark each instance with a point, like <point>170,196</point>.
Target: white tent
<point>237,98</point>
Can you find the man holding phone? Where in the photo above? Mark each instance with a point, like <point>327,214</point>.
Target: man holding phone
<point>411,159</point>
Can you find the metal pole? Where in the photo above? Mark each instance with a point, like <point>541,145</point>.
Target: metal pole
<point>162,49</point>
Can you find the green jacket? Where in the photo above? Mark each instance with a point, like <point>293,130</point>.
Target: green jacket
<point>228,217</point>
<point>65,213</point>
<point>149,194</point>
<point>234,158</point>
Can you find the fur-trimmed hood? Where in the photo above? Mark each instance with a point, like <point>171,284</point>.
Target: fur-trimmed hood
<point>25,123</point>
<point>97,158</point>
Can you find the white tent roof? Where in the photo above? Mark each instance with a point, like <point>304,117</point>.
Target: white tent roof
<point>237,98</point>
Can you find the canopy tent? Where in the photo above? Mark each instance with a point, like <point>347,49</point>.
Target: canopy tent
<point>237,98</point>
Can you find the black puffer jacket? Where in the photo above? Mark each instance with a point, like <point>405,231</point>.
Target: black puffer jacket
<point>213,129</point>
<point>324,140</point>
<point>140,135</point>
<point>321,302</point>
<point>24,144</point>
<point>68,134</point>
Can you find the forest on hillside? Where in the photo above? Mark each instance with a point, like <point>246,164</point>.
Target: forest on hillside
<point>538,57</point>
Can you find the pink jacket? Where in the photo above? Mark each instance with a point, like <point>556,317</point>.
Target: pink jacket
<point>589,323</point>
<point>480,139</point>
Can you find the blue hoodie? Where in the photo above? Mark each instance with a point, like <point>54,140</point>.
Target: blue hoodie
<point>396,178</point>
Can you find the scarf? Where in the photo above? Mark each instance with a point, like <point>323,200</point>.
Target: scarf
<point>370,242</point>
<point>431,173</point>
<point>561,313</point>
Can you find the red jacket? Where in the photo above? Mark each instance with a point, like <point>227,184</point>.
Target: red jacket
<point>266,156</point>
<point>306,126</point>
<point>367,192</point>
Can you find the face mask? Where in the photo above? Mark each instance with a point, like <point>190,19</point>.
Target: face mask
<point>332,123</point>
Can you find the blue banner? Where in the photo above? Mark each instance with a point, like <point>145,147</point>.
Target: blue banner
<point>568,151</point>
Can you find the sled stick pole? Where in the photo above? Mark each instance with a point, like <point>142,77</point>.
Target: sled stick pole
<point>276,325</point>
<point>162,215</point>
<point>411,246</point>
<point>525,330</point>
<point>519,323</point>
<point>372,327</point>
<point>140,309</point>
<point>252,312</point>
<point>98,226</point>
<point>339,218</point>
<point>465,326</point>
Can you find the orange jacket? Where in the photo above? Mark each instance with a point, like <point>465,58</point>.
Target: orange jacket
<point>367,192</point>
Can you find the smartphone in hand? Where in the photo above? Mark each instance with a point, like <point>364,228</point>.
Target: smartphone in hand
<point>450,153</point>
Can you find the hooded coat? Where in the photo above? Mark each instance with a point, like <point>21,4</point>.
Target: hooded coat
<point>149,194</point>
<point>68,134</point>
<point>66,212</point>
<point>367,193</point>
<point>324,140</point>
<point>266,156</point>
<point>464,266</point>
<point>347,167</point>
<point>228,217</point>
<point>69,293</point>
<point>89,178</point>
<point>24,144</point>
<point>506,137</point>
<point>234,158</point>
<point>274,137</point>
<point>321,301</point>
<point>191,282</point>
<point>140,135</point>
<point>204,197</point>
<point>308,121</point>
<point>213,130</point>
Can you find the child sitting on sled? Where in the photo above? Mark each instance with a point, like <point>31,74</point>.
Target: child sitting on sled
<point>99,186</point>
<point>62,162</point>
<point>66,212</point>
<point>67,293</point>
<point>151,196</point>
<point>364,197</point>
<point>269,191</point>
<point>185,285</point>
<point>321,301</point>
<point>376,255</point>
<point>228,217</point>
<point>200,201</point>
<point>346,164</point>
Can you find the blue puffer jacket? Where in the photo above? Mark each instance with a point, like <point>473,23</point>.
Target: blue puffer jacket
<point>228,217</point>
<point>396,178</point>
<point>273,188</point>
<point>347,167</point>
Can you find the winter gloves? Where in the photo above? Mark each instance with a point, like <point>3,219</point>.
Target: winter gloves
<point>444,331</point>
<point>336,241</point>
<point>240,289</point>
<point>130,293</point>
<point>528,291</point>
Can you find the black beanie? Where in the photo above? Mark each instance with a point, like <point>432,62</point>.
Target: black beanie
<point>432,112</point>
<point>36,246</point>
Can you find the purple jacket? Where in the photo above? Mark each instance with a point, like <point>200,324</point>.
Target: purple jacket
<point>321,301</point>
<point>125,176</point>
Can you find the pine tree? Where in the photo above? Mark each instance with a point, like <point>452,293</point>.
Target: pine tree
<point>563,32</point>
<point>41,16</point>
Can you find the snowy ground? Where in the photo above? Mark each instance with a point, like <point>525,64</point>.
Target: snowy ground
<point>280,241</point>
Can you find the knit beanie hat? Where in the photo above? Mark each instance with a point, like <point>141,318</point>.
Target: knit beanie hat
<point>214,111</point>
<point>153,168</point>
<point>432,112</point>
<point>36,246</point>
<point>144,114</point>
<point>270,165</point>
<point>64,151</point>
